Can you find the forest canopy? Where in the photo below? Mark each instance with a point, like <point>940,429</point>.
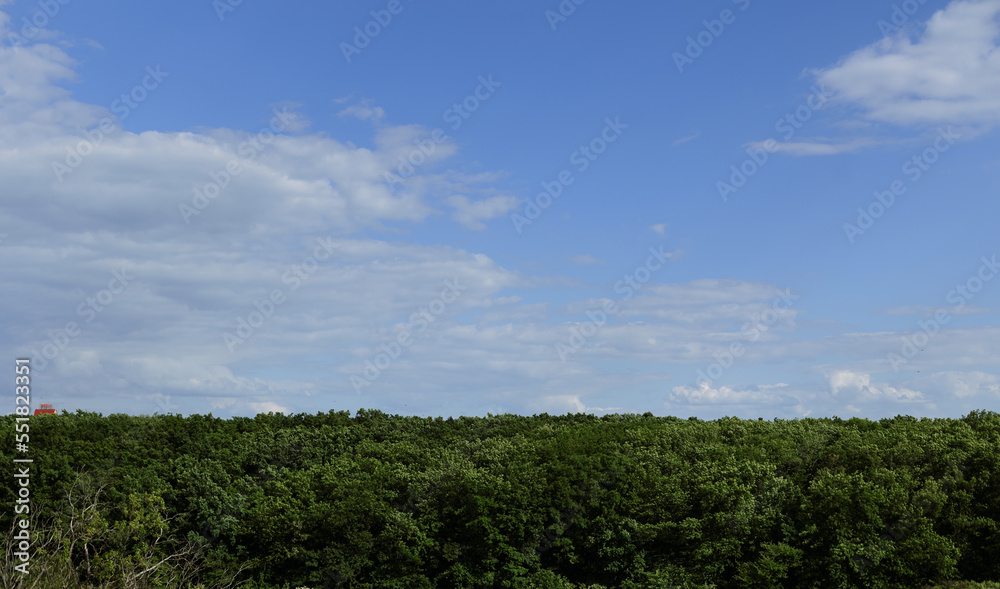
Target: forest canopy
<point>632,501</point>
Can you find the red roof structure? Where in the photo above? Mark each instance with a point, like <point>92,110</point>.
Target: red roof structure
<point>45,408</point>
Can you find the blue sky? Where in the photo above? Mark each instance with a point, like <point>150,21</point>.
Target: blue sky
<point>303,206</point>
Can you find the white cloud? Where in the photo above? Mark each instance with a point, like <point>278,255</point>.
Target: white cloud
<point>815,147</point>
<point>561,404</point>
<point>268,407</point>
<point>928,311</point>
<point>586,260</point>
<point>948,73</point>
<point>364,111</point>
<point>846,381</point>
<point>660,228</point>
<point>686,139</point>
<point>298,183</point>
<point>951,347</point>
<point>705,394</point>
<point>707,302</point>
<point>472,214</point>
<point>961,384</point>
<point>162,336</point>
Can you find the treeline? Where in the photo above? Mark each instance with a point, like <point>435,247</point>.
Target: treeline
<point>574,501</point>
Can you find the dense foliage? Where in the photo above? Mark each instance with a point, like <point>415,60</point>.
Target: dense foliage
<point>577,501</point>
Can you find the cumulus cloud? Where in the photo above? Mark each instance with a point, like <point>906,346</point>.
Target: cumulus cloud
<point>949,72</point>
<point>119,208</point>
<point>705,394</point>
<point>364,110</point>
<point>287,182</point>
<point>860,387</point>
<point>963,385</point>
<point>269,407</point>
<point>561,404</point>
